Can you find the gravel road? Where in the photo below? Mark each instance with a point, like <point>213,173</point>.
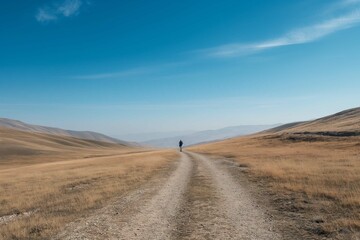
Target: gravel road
<point>200,199</point>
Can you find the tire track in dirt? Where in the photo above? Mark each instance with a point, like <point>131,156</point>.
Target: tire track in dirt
<point>219,208</point>
<point>200,199</point>
<point>146,213</point>
<point>157,219</point>
<point>201,217</point>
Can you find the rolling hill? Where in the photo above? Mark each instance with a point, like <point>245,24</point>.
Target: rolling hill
<point>21,126</point>
<point>343,123</point>
<point>17,146</point>
<point>22,143</point>
<point>308,166</point>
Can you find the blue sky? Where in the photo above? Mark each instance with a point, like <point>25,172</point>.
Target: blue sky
<point>122,67</point>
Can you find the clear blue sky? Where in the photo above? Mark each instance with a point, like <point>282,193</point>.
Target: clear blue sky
<point>132,66</point>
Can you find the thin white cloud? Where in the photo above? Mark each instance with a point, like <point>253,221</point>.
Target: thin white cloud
<point>69,7</point>
<point>65,8</point>
<point>108,75</point>
<point>294,37</point>
<point>349,2</point>
<point>341,5</point>
<point>146,70</point>
<point>45,16</point>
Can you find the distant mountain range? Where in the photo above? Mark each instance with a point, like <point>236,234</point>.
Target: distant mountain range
<point>87,135</point>
<point>147,136</point>
<point>208,136</point>
<point>345,123</point>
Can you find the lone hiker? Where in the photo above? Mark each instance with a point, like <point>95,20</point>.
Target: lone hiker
<point>180,145</point>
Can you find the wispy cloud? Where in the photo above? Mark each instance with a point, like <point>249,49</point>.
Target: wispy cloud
<point>108,75</point>
<point>58,10</point>
<point>146,70</point>
<point>349,2</point>
<point>297,36</point>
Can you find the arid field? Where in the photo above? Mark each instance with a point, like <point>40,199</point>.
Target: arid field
<point>315,177</point>
<point>48,181</point>
<point>297,181</point>
<point>325,173</point>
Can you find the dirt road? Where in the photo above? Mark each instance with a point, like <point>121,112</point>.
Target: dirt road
<point>200,199</point>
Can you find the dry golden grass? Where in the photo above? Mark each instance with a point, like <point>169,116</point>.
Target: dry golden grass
<point>19,148</point>
<point>345,121</point>
<point>62,191</point>
<point>325,170</point>
<point>59,182</point>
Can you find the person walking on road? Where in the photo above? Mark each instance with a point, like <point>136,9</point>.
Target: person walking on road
<point>181,145</point>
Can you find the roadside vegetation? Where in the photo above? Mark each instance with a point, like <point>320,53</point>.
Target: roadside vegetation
<point>37,200</point>
<point>317,177</point>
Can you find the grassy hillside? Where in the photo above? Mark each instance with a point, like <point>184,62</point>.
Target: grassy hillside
<point>314,178</point>
<point>47,181</point>
<point>345,121</point>
<point>88,135</point>
<point>19,147</point>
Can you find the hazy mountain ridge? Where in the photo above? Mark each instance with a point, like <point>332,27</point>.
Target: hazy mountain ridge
<point>87,135</point>
<point>148,136</point>
<point>208,135</point>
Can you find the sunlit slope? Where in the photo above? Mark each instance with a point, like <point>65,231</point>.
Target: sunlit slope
<point>19,146</point>
<point>345,121</point>
<point>56,179</point>
<point>317,159</point>
<point>21,126</point>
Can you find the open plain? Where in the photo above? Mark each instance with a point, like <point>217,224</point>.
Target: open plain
<point>279,184</point>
